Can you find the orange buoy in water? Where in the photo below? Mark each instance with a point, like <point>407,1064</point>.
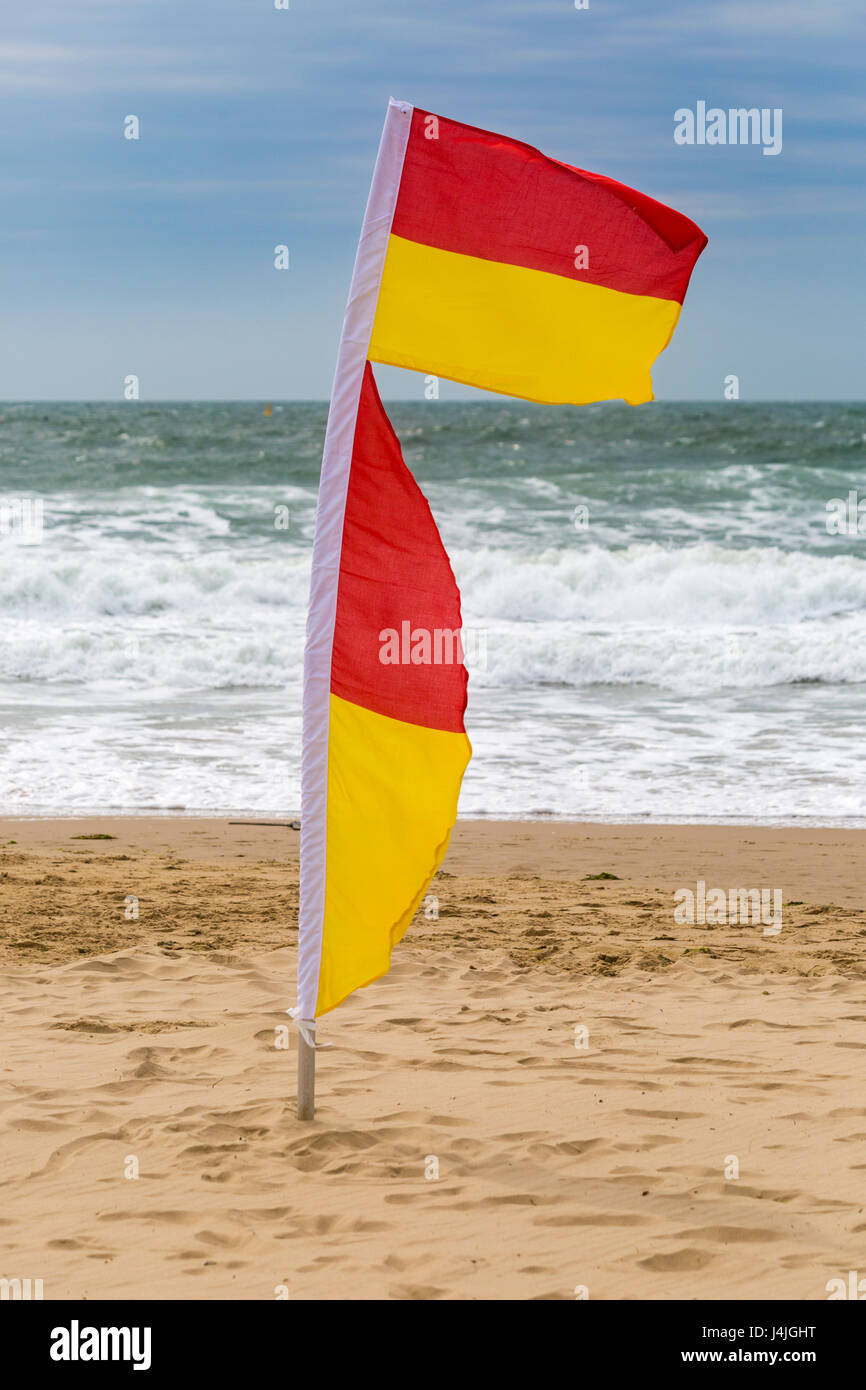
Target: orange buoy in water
<point>268,411</point>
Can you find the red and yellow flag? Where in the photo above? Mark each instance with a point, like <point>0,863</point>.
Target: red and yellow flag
<point>483,261</point>
<point>509,270</point>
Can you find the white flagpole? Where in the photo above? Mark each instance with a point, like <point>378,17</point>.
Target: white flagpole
<point>330,510</point>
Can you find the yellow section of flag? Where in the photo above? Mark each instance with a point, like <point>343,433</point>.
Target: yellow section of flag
<point>517,331</point>
<point>392,803</point>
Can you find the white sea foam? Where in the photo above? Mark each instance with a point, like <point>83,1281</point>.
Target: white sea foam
<point>656,586</point>
<point>699,618</point>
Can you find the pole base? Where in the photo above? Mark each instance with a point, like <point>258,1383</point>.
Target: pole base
<point>306,1080</point>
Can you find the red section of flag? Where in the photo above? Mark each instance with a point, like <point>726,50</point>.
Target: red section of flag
<point>480,194</point>
<point>396,649</point>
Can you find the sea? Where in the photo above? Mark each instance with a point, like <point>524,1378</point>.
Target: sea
<point>664,606</point>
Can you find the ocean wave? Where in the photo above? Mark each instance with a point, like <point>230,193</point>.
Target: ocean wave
<point>156,662</point>
<point>649,584</point>
<point>713,659</point>
<point>643,584</point>
<point>696,618</point>
<point>44,581</point>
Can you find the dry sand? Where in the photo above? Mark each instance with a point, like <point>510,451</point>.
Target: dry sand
<point>153,1041</point>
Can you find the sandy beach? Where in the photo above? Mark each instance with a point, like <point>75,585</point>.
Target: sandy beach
<point>557,1088</point>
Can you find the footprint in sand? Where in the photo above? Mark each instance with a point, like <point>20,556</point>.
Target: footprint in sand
<point>681,1261</point>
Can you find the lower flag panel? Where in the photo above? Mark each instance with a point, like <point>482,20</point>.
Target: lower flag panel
<point>392,803</point>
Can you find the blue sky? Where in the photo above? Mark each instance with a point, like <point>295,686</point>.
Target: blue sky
<point>260,127</point>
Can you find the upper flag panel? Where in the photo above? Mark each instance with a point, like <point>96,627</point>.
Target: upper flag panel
<point>516,273</point>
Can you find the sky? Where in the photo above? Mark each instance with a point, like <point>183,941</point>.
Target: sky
<point>259,127</point>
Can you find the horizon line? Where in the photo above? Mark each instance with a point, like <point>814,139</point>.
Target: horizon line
<point>411,400</point>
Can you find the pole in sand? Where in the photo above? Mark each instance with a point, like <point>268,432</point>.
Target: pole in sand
<point>306,1080</point>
